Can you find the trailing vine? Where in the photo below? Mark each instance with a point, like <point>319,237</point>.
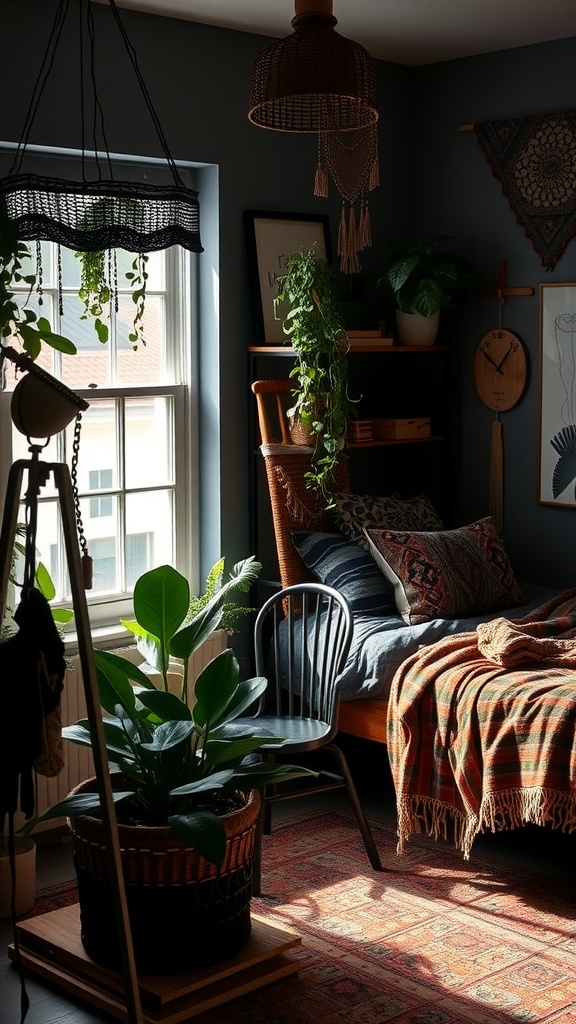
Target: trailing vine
<point>314,326</point>
<point>96,290</point>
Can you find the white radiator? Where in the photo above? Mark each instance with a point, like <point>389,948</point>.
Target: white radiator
<point>79,764</point>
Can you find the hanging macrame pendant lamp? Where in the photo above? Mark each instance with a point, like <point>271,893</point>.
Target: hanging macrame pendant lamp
<point>318,81</point>
<point>92,216</point>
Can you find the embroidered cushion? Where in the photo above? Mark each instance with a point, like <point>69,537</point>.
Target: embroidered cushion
<point>447,574</point>
<point>353,513</point>
<point>349,569</point>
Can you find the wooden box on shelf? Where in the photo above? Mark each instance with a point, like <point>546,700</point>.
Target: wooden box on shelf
<point>401,429</point>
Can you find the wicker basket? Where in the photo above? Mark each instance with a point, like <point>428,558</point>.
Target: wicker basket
<point>184,911</point>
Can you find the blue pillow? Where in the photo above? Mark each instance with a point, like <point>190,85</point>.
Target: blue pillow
<point>344,565</point>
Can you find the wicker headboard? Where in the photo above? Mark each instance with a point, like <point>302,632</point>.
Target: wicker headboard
<point>294,506</point>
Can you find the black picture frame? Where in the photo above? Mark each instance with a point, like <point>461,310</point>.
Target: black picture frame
<point>270,238</point>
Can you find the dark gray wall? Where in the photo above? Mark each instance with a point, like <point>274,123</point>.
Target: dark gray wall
<point>433,179</point>
<point>456,193</point>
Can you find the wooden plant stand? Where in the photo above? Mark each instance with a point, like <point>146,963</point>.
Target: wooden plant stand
<point>50,946</point>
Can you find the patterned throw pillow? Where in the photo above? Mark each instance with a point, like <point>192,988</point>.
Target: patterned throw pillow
<point>353,513</point>
<point>449,574</point>
<point>347,568</point>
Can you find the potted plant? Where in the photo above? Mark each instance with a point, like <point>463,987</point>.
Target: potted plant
<point>424,281</point>
<point>321,406</point>
<point>185,788</point>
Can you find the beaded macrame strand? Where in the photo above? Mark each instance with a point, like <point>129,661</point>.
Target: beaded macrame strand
<point>351,160</point>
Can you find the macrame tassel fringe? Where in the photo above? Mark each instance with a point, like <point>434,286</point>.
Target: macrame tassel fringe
<point>321,182</point>
<point>374,179</point>
<point>348,244</point>
<point>497,475</point>
<point>364,230</point>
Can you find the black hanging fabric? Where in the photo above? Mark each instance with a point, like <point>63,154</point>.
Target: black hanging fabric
<point>32,667</point>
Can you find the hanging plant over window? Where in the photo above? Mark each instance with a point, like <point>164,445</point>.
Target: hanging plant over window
<point>98,287</point>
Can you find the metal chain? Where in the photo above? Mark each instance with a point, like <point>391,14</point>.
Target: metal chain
<point>86,559</point>
<point>74,476</point>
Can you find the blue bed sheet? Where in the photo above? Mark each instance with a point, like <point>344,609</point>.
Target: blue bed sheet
<point>380,645</point>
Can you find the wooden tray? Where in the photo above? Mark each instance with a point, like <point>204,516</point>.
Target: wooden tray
<point>50,946</point>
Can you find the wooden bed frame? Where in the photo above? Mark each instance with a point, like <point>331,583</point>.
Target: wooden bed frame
<point>296,508</point>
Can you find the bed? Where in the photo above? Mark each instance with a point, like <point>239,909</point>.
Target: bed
<point>416,645</point>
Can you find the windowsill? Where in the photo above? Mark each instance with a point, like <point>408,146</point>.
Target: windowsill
<point>105,637</point>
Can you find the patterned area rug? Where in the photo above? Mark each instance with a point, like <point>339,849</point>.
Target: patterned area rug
<point>434,940</point>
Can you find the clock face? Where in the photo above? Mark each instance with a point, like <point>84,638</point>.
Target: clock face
<point>500,370</point>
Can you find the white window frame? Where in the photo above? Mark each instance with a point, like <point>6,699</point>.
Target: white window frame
<point>182,364</point>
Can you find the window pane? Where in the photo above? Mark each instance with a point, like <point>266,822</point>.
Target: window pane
<point>146,364</point>
<point>102,534</point>
<point>48,549</point>
<point>150,514</point>
<point>92,362</point>
<point>148,441</point>
<point>98,445</point>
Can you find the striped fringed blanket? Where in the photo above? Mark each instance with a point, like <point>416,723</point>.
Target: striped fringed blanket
<point>482,728</point>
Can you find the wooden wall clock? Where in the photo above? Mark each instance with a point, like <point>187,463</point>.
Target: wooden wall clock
<point>500,370</point>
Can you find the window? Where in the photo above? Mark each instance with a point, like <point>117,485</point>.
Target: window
<point>135,477</point>
<point>98,480</point>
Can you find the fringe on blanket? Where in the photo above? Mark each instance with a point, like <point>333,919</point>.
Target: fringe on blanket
<point>508,809</point>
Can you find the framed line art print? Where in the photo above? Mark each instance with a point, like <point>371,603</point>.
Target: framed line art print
<point>270,238</point>
<point>557,456</point>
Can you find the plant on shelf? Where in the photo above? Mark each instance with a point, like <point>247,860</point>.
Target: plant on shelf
<point>182,777</point>
<point>314,325</point>
<point>423,281</point>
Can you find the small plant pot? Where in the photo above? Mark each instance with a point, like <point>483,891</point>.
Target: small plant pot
<point>415,330</point>
<point>184,912</point>
<point>25,871</point>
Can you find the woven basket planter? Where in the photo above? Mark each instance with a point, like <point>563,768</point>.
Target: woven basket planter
<point>184,912</point>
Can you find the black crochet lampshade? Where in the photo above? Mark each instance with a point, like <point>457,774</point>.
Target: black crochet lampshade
<point>100,214</point>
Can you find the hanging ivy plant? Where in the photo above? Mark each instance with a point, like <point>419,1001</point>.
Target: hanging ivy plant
<point>96,290</point>
<point>138,278</point>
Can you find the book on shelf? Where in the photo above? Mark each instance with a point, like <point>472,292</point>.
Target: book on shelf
<point>362,339</point>
<point>360,430</point>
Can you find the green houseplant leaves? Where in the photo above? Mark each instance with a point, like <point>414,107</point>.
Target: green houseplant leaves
<point>173,754</point>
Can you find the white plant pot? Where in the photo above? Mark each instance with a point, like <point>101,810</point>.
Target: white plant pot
<point>415,329</point>
<point>25,864</point>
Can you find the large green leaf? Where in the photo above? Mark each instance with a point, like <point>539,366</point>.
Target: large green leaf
<point>224,751</point>
<point>168,735</point>
<point>214,687</point>
<point>215,781</point>
<point>189,639</point>
<point>255,776</point>
<point>161,601</point>
<point>166,706</point>
<point>204,831</point>
<point>247,692</point>
<point>80,803</point>
<point>113,682</point>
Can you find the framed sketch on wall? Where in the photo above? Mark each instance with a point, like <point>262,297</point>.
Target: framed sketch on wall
<point>557,462</point>
<point>270,238</point>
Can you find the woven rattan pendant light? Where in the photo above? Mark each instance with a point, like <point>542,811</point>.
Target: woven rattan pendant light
<point>318,81</point>
<point>95,215</point>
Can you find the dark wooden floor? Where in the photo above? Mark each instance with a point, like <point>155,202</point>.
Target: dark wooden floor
<point>550,854</point>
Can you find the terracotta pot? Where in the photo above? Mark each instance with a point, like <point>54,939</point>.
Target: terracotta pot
<point>184,911</point>
<point>415,329</point>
